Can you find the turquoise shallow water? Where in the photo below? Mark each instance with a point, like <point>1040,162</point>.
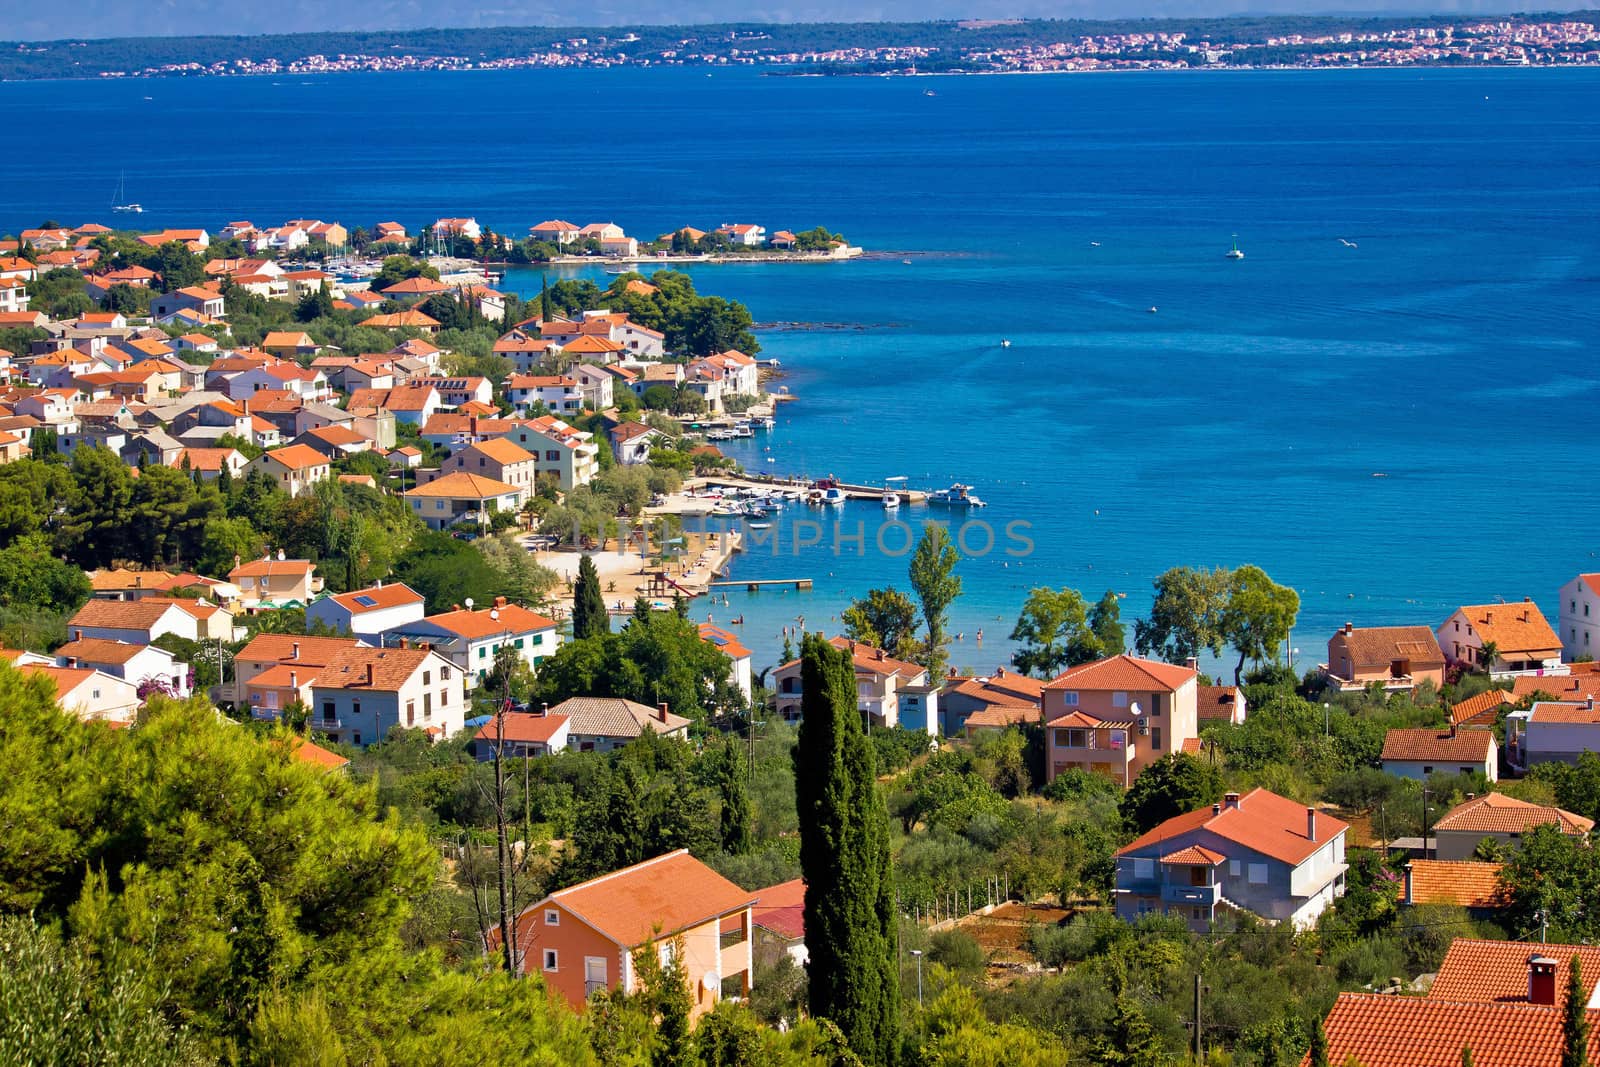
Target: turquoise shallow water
<point>1452,350</point>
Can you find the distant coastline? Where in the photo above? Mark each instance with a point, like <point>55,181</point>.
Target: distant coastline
<point>824,49</point>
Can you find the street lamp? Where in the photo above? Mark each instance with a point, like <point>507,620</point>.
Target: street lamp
<point>1325,714</point>
<point>917,952</point>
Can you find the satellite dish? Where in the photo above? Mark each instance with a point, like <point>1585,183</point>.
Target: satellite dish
<point>712,983</point>
<point>468,603</point>
<point>280,555</point>
<point>1137,712</point>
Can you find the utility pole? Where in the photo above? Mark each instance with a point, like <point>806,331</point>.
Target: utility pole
<point>1199,1043</point>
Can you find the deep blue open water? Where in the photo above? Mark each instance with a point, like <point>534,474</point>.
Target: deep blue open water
<point>1453,349</point>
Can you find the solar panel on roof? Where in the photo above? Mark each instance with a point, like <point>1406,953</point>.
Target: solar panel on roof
<point>366,601</point>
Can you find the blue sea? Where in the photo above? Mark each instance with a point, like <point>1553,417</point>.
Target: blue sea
<point>1388,404</point>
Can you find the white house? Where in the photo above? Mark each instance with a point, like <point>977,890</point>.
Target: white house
<point>138,664</point>
<point>734,649</point>
<point>461,497</point>
<point>880,680</point>
<point>368,613</point>
<point>1420,753</point>
<point>363,693</point>
<point>89,694</point>
<point>558,393</point>
<point>562,450</point>
<point>1260,852</point>
<point>471,639</point>
<point>135,622</point>
<point>1552,732</point>
<point>297,468</point>
<point>1523,640</point>
<point>1579,618</point>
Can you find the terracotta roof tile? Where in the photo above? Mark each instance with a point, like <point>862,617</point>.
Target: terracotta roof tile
<point>313,651</point>
<point>1123,673</point>
<point>1194,855</point>
<point>391,668</point>
<point>298,457</point>
<point>1379,646</point>
<point>377,597</point>
<point>1574,686</point>
<point>727,643</point>
<point>1217,701</point>
<point>1498,813</point>
<point>1585,714</point>
<point>464,486</point>
<point>781,909</point>
<point>1446,746</point>
<point>1496,972</point>
<point>1377,1030</point>
<point>615,717</point>
<point>513,619</point>
<point>124,614</point>
<point>1483,707</point>
<point>99,650</point>
<point>1465,883</point>
<point>1516,627</point>
<point>522,728</point>
<point>1000,716</point>
<point>672,892</point>
<point>1263,822</point>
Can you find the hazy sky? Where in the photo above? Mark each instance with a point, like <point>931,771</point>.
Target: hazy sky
<point>44,20</point>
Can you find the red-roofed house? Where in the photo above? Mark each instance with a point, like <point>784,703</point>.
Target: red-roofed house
<point>1259,852</point>
<point>89,694</point>
<point>1378,1030</point>
<point>1553,731</point>
<point>520,734</point>
<point>1397,657</point>
<point>780,923</point>
<point>1578,617</point>
<point>730,645</point>
<point>1117,716</point>
<point>880,678</point>
<point>471,639</point>
<point>1523,641</point>
<point>298,468</point>
<point>364,693</point>
<point>1501,818</point>
<point>1429,750</point>
<point>368,613</point>
<point>275,581</point>
<point>582,939</point>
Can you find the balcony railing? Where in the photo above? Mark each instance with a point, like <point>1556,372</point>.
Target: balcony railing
<point>730,938</point>
<point>591,987</point>
<point>1203,895</point>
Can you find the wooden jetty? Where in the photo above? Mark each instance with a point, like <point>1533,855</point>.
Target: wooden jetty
<point>755,584</point>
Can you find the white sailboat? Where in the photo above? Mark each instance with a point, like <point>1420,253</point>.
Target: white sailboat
<point>119,202</point>
<point>1236,253</point>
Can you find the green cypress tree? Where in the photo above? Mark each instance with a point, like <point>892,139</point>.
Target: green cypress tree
<point>544,301</point>
<point>1574,1020</point>
<point>589,618</point>
<point>844,854</point>
<point>734,822</point>
<point>1319,1046</point>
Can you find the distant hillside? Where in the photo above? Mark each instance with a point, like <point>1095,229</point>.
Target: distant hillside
<point>84,57</point>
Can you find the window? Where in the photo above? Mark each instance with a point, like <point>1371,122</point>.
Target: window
<point>483,650</point>
<point>355,707</point>
<point>411,713</point>
<point>668,950</point>
<point>427,705</point>
<point>1144,870</point>
<point>1427,770</point>
<point>444,674</point>
<point>1199,914</point>
<point>1233,868</point>
<point>427,676</point>
<point>1077,739</point>
<point>552,917</point>
<point>552,960</point>
<point>355,739</point>
<point>1258,874</point>
<point>327,710</point>
<point>1119,700</point>
<point>1155,738</point>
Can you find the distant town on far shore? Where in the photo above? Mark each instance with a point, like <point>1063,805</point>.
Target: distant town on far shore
<point>950,47</point>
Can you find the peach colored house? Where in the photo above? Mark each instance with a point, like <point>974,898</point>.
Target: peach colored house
<point>1398,657</point>
<point>583,939</point>
<point>1117,716</point>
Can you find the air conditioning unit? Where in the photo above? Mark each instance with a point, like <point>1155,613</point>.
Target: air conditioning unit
<point>1144,725</point>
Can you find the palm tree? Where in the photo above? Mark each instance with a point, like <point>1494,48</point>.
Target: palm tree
<point>1487,655</point>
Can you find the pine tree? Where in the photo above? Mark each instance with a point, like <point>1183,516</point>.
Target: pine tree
<point>589,618</point>
<point>844,854</point>
<point>1319,1047</point>
<point>544,301</point>
<point>1574,1021</point>
<point>734,822</point>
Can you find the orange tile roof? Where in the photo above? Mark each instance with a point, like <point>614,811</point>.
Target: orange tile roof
<point>1464,883</point>
<point>1123,673</point>
<point>725,641</point>
<point>672,892</point>
<point>1078,720</point>
<point>1573,686</point>
<point>1379,646</point>
<point>1217,701</point>
<point>1194,856</point>
<point>288,339</point>
<point>476,624</point>
<point>296,675</point>
<point>400,318</point>
<point>781,909</point>
<point>1001,716</point>
<point>1486,703</point>
<point>1378,1030</point>
<point>391,668</point>
<point>501,450</point>
<point>1446,746</point>
<point>99,650</point>
<point>1496,972</point>
<point>1585,714</point>
<point>124,614</point>
<point>521,728</point>
<point>377,597</point>
<point>1514,628</point>
<point>1263,822</point>
<point>282,648</point>
<point>311,752</point>
<point>415,286</point>
<point>465,486</point>
<point>266,568</point>
<point>591,345</point>
<point>106,580</point>
<point>1497,813</point>
<point>298,457</point>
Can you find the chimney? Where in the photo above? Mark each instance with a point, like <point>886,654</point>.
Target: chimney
<point>426,646</point>
<point>1311,824</point>
<point>455,607</point>
<point>661,711</point>
<point>544,709</point>
<point>294,680</point>
<point>1230,800</point>
<point>1407,895</point>
<point>294,650</point>
<point>882,654</point>
<point>499,601</point>
<point>1216,809</point>
<point>1193,663</point>
<point>369,674</point>
<point>138,581</point>
<point>1349,627</point>
<point>1453,728</point>
<point>405,643</point>
<point>1541,980</point>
